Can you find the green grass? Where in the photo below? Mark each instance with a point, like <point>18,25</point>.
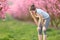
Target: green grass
<point>18,30</point>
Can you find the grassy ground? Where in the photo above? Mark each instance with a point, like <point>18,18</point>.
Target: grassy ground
<point>18,30</point>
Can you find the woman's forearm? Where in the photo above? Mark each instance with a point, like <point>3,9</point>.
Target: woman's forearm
<point>34,18</point>
<point>40,21</point>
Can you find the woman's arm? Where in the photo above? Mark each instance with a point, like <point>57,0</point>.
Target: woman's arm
<point>34,18</point>
<point>40,21</point>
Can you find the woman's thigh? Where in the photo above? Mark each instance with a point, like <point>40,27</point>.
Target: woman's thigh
<point>46,22</point>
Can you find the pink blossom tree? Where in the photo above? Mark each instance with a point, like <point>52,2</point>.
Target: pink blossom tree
<point>4,6</point>
<point>19,8</point>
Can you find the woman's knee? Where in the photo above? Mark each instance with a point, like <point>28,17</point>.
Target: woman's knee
<point>39,30</point>
<point>44,30</point>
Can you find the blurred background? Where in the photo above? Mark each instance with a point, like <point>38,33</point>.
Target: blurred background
<point>17,24</point>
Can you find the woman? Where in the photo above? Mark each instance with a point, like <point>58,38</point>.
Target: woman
<point>42,22</point>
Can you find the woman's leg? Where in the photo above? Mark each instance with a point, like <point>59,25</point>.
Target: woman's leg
<point>39,28</point>
<point>40,33</point>
<point>40,36</point>
<point>45,26</point>
<point>44,33</point>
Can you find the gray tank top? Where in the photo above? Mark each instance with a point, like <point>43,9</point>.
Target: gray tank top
<point>43,13</point>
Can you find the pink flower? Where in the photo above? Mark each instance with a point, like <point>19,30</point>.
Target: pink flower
<point>20,7</point>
